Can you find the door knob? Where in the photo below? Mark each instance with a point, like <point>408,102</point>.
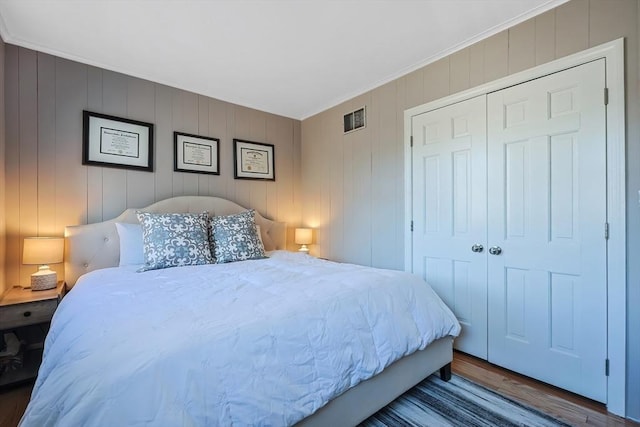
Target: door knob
<point>477,248</point>
<point>495,250</point>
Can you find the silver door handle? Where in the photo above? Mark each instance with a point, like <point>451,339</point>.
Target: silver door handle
<point>477,248</point>
<point>495,250</point>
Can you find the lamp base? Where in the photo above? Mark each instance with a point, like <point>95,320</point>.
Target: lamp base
<point>304,249</point>
<point>43,280</point>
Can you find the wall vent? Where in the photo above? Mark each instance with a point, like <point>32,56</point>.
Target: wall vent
<point>355,120</point>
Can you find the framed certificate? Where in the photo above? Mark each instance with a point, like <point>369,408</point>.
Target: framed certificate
<point>253,160</point>
<point>116,142</point>
<point>196,154</point>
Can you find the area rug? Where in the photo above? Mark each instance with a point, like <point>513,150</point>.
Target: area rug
<point>458,402</point>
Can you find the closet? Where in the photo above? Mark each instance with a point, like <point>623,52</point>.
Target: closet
<point>509,219</point>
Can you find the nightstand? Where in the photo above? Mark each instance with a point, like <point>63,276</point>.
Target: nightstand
<point>27,315</point>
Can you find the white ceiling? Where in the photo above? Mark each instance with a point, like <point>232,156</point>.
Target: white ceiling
<point>288,57</point>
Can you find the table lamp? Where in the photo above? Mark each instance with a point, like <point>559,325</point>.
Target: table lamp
<point>43,251</point>
<point>304,237</point>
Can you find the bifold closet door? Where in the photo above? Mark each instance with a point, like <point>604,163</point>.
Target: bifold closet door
<point>449,213</point>
<point>546,229</point>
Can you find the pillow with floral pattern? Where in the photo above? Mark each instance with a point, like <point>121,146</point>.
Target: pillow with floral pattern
<point>174,239</point>
<point>235,238</point>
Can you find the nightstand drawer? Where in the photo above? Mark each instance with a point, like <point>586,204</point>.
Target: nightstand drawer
<point>16,315</point>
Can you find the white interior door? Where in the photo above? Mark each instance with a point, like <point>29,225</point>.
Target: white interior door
<point>449,213</point>
<point>547,204</point>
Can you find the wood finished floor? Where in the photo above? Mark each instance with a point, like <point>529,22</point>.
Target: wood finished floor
<point>573,409</point>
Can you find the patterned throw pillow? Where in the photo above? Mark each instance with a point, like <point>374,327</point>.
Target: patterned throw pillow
<point>172,240</point>
<point>235,238</point>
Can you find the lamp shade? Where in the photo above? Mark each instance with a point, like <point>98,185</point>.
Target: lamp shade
<point>304,236</point>
<point>43,250</point>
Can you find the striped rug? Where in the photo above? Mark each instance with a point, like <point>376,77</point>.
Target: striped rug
<point>458,402</point>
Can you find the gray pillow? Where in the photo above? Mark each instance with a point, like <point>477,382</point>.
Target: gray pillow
<point>173,240</point>
<point>235,238</point>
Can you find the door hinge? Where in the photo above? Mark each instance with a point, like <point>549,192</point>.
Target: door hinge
<point>606,367</point>
<point>606,96</point>
<point>411,225</point>
<point>606,231</point>
<point>411,140</point>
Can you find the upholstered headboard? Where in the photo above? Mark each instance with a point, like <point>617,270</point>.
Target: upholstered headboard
<point>94,246</point>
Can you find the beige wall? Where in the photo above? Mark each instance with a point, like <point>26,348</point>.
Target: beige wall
<point>2,175</point>
<point>353,185</point>
<point>47,187</point>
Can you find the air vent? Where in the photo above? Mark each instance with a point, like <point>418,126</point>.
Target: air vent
<point>355,120</point>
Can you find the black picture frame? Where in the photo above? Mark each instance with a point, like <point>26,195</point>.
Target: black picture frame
<point>253,160</point>
<point>116,142</point>
<point>196,154</point>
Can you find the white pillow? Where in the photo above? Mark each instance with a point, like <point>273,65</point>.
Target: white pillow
<point>131,246</point>
<point>259,234</point>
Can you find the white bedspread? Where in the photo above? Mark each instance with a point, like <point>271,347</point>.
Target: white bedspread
<point>263,342</point>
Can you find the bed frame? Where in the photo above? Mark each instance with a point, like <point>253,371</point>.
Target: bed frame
<point>95,246</point>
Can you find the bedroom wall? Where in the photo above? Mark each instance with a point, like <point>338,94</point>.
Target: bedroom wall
<point>47,187</point>
<point>3,285</point>
<point>353,185</point>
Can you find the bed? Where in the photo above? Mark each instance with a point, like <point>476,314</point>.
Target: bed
<point>129,348</point>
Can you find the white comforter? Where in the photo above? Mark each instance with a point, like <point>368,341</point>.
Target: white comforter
<point>263,342</point>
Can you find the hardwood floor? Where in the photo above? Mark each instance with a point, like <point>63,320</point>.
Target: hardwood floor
<point>12,405</point>
<point>573,409</point>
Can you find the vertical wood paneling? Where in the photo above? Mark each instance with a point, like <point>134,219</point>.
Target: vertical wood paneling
<point>386,175</point>
<point>312,179</point>
<point>436,80</point>
<point>28,108</point>
<point>361,178</point>
<point>460,71</point>
<point>496,54</point>
<point>218,129</point>
<point>140,106</point>
<point>46,146</point>
<point>295,209</point>
<point>226,151</point>
<point>114,181</point>
<point>164,142</point>
<point>46,185</point>
<point>572,27</point>
<point>3,222</point>
<point>95,183</point>
<point>414,85</point>
<point>522,46</point>
<point>476,65</point>
<point>177,125</point>
<point>189,125</point>
<point>280,133</point>
<point>545,37</point>
<point>12,166</point>
<point>333,227</point>
<point>257,132</point>
<point>242,125</point>
<point>71,176</point>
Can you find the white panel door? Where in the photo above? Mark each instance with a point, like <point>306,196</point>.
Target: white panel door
<point>449,213</point>
<point>547,214</point>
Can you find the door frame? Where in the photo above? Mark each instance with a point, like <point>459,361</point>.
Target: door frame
<point>613,53</point>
